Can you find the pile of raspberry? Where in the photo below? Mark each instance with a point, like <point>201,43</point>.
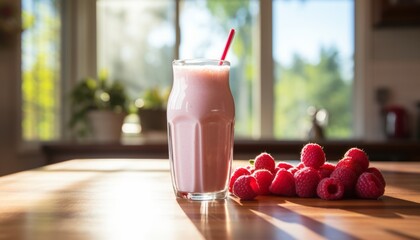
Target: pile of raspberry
<point>351,177</point>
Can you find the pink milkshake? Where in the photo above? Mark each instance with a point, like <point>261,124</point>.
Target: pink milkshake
<point>200,116</point>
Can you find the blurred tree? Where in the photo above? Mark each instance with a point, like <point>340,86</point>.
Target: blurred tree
<point>299,86</point>
<point>321,85</point>
<point>140,61</point>
<point>240,15</point>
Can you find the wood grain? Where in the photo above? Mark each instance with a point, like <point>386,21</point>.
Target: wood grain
<point>133,199</point>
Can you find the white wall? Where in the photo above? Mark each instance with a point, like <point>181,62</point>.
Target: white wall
<point>395,64</point>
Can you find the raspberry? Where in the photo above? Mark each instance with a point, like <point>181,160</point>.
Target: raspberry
<point>300,165</point>
<point>347,177</point>
<point>326,170</point>
<point>312,155</point>
<point>378,174</point>
<point>236,174</point>
<point>359,156</point>
<point>246,187</point>
<point>292,170</point>
<point>283,184</point>
<point>306,180</point>
<point>264,179</point>
<point>250,168</point>
<point>284,165</point>
<point>330,189</point>
<point>265,161</point>
<point>348,162</point>
<point>369,186</point>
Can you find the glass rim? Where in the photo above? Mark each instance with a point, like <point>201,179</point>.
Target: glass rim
<point>200,62</point>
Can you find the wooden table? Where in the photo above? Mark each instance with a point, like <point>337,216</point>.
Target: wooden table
<point>133,199</point>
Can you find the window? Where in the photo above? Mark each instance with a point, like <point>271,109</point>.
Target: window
<point>313,48</point>
<point>312,52</point>
<point>204,26</point>
<point>313,45</point>
<point>41,70</point>
<point>143,59</point>
<point>136,41</point>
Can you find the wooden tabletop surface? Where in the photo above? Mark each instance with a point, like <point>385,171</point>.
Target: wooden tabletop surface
<point>133,199</point>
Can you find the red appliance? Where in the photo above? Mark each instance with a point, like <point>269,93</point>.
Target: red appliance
<point>396,122</point>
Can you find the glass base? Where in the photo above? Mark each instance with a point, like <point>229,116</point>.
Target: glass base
<point>202,196</point>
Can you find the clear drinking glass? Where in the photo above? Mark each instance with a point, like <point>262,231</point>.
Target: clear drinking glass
<point>201,116</point>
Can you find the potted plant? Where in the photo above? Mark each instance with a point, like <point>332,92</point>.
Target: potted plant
<point>98,109</point>
<point>152,110</point>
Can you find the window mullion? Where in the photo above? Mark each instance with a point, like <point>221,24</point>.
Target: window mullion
<point>79,49</point>
<point>86,38</point>
<point>264,97</point>
<point>177,29</point>
<point>361,60</point>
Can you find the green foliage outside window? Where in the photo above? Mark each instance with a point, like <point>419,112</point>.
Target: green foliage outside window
<point>40,70</point>
<point>297,87</point>
<point>305,84</point>
<point>240,15</point>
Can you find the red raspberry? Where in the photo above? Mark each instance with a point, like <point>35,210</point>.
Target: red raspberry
<point>358,156</point>
<point>283,184</point>
<point>264,179</point>
<point>378,174</point>
<point>330,189</point>
<point>250,168</point>
<point>306,180</point>
<point>369,186</point>
<point>292,170</point>
<point>300,165</point>
<point>265,161</point>
<point>326,170</point>
<point>312,155</point>
<point>236,174</point>
<point>349,162</point>
<point>284,165</point>
<point>347,177</point>
<point>246,187</point>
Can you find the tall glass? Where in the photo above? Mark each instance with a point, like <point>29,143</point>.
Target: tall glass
<point>201,116</point>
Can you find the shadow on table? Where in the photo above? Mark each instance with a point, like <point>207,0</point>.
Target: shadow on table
<point>384,207</point>
<point>400,179</point>
<point>42,218</point>
<point>226,219</point>
<point>262,219</point>
<point>400,234</point>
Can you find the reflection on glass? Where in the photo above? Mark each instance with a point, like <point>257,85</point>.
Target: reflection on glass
<point>204,27</point>
<point>313,44</point>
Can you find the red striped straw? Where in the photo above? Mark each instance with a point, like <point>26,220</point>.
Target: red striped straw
<point>227,46</point>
